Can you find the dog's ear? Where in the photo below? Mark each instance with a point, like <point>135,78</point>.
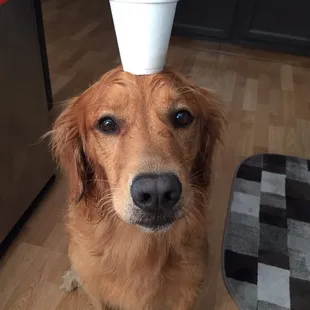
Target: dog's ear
<point>212,123</point>
<point>67,148</point>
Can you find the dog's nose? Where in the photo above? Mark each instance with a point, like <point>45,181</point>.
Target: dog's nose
<point>152,191</point>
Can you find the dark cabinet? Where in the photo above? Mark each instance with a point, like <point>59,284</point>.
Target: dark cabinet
<point>212,18</point>
<point>280,24</point>
<point>26,164</point>
<point>276,21</point>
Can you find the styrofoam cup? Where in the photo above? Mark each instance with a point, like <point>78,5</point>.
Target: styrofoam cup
<point>143,30</point>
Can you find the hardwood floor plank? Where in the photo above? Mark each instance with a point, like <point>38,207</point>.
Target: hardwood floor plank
<point>14,269</point>
<point>287,82</point>
<point>276,139</point>
<point>261,126</point>
<point>26,292</point>
<point>48,295</point>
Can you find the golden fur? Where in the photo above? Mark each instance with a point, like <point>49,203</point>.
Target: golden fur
<point>119,264</point>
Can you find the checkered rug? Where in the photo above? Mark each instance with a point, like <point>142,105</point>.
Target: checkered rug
<point>266,249</point>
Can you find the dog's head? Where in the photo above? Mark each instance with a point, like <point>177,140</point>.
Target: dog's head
<point>140,145</point>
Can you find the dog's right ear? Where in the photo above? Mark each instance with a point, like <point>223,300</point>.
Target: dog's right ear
<point>67,148</point>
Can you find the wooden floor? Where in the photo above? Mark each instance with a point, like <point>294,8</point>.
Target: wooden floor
<point>267,99</point>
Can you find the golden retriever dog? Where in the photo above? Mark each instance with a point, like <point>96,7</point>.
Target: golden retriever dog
<point>138,151</point>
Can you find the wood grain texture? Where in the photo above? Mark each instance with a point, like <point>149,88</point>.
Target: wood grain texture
<point>267,102</point>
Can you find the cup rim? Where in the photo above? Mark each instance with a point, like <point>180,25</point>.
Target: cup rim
<point>145,1</point>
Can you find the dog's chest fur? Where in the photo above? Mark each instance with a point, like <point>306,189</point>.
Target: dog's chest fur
<point>129,269</point>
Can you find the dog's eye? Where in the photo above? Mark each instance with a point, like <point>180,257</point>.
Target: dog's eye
<point>182,118</point>
<point>107,125</point>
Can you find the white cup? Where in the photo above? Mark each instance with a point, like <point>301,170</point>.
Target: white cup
<point>143,30</point>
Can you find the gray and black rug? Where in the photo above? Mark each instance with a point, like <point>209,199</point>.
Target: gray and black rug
<point>266,249</point>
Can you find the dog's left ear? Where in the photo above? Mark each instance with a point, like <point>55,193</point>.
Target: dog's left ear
<point>67,147</point>
<point>212,123</point>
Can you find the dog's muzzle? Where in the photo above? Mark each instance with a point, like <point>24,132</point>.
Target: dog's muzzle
<point>157,197</point>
